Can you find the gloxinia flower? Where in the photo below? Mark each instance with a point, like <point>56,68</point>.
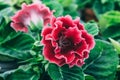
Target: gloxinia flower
<point>66,42</point>
<point>34,13</point>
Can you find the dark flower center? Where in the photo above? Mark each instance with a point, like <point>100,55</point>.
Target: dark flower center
<point>65,44</point>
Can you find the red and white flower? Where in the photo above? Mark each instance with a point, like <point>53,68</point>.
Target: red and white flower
<point>31,13</point>
<point>66,42</point>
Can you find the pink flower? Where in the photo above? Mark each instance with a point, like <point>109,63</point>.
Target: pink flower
<point>30,13</point>
<point>66,42</point>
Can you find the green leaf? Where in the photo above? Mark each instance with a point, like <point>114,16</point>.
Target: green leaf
<point>8,65</point>
<point>113,31</point>
<point>71,10</point>
<point>7,12</point>
<point>18,47</point>
<point>82,3</point>
<point>3,5</point>
<point>24,72</point>
<point>65,73</point>
<point>104,1</point>
<point>102,62</point>
<point>55,6</point>
<point>6,58</point>
<point>100,8</point>
<point>1,18</point>
<point>116,45</point>
<point>108,19</point>
<point>1,78</point>
<point>92,28</point>
<point>6,32</point>
<point>66,3</point>
<point>17,3</point>
<point>88,77</point>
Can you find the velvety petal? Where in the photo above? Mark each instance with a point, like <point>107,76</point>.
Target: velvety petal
<point>61,63</point>
<point>53,20</point>
<point>80,62</point>
<point>89,39</point>
<point>81,47</point>
<point>79,25</point>
<point>74,62</point>
<point>19,27</point>
<point>21,17</point>
<point>44,42</point>
<point>67,21</point>
<point>40,10</point>
<point>69,57</point>
<point>57,31</point>
<point>74,34</point>
<point>85,53</point>
<point>77,61</point>
<point>48,37</point>
<point>46,14</point>
<point>57,50</point>
<point>48,52</point>
<point>54,43</point>
<point>46,30</point>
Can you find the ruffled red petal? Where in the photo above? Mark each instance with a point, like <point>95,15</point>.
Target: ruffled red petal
<point>49,54</point>
<point>45,31</point>
<point>89,39</point>
<point>78,61</point>
<point>78,24</point>
<point>81,47</point>
<point>57,31</point>
<point>69,57</point>
<point>19,27</point>
<point>74,34</point>
<point>67,21</point>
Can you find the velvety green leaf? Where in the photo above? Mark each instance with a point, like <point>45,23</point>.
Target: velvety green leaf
<point>55,6</point>
<point>113,31</point>
<point>82,3</point>
<point>71,10</point>
<point>6,58</point>
<point>116,45</point>
<point>6,32</point>
<point>66,3</point>
<point>104,1</point>
<point>92,28</point>
<point>8,65</point>
<point>88,77</point>
<point>18,47</point>
<point>17,3</point>
<point>65,73</point>
<point>100,8</point>
<point>24,72</point>
<point>7,12</point>
<point>108,19</point>
<point>104,65</point>
<point>3,5</point>
<point>1,18</point>
<point>1,78</point>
